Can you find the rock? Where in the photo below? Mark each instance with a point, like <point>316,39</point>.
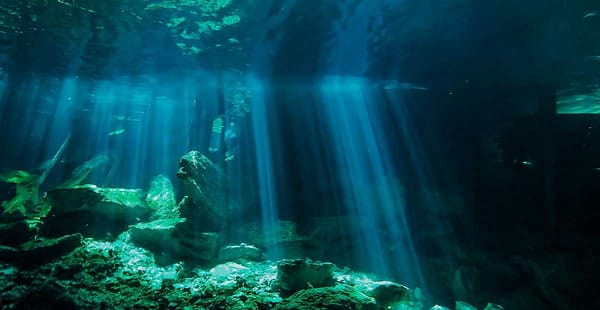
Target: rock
<point>297,274</point>
<point>26,194</point>
<point>281,235</point>
<point>198,247</point>
<point>438,307</point>
<point>161,198</point>
<point>338,297</point>
<point>461,305</point>
<point>464,281</point>
<point>15,233</point>
<point>168,237</point>
<point>204,183</point>
<point>242,251</point>
<point>88,208</point>
<point>155,236</point>
<point>491,306</point>
<point>115,202</point>
<point>40,251</point>
<point>387,293</point>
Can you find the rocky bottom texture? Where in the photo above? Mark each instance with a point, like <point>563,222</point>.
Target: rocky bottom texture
<point>119,275</point>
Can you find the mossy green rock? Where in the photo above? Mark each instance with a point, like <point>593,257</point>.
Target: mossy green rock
<point>93,211</point>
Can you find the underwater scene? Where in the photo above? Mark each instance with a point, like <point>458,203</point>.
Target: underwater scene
<point>299,154</point>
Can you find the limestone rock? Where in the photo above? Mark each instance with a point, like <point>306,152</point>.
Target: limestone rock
<point>116,202</point>
<point>161,198</point>
<point>87,209</point>
<point>389,293</point>
<point>294,275</point>
<point>204,184</point>
<point>164,237</point>
<point>241,251</point>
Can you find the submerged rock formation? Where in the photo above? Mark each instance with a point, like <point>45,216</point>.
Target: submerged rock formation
<point>40,251</point>
<point>93,210</point>
<point>205,184</point>
<point>298,274</point>
<point>161,198</point>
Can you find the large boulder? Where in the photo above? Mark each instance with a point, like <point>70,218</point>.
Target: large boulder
<point>204,183</point>
<point>93,210</point>
<point>296,274</point>
<point>389,294</point>
<point>168,239</point>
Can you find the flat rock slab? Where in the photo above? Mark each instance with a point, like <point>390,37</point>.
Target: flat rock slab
<point>116,202</point>
<point>172,238</point>
<point>93,211</point>
<point>41,251</point>
<point>242,251</point>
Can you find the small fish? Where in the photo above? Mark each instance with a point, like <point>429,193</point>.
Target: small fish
<point>117,132</point>
<point>591,14</point>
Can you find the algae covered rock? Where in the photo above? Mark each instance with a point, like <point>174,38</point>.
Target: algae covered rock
<point>161,198</point>
<point>26,194</point>
<point>93,210</point>
<point>296,274</point>
<point>337,297</point>
<point>116,202</point>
